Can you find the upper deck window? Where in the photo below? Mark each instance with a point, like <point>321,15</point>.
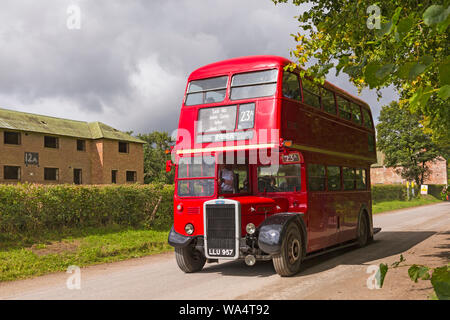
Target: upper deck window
<point>311,93</point>
<point>367,119</point>
<point>345,111</point>
<point>206,91</point>
<point>291,86</point>
<point>254,84</point>
<point>329,104</point>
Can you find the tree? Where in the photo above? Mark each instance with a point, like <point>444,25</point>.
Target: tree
<point>403,43</point>
<point>405,145</point>
<point>155,157</point>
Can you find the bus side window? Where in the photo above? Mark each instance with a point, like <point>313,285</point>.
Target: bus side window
<point>291,86</point>
<point>329,105</point>
<point>344,108</point>
<point>349,178</point>
<point>361,179</point>
<point>316,177</point>
<point>356,113</point>
<point>311,93</point>
<point>334,178</point>
<point>367,120</point>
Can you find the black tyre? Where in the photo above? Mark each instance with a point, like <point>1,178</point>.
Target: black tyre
<point>189,259</point>
<point>363,231</point>
<point>288,262</point>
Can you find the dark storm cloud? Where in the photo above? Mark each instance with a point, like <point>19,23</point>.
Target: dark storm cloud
<point>128,64</point>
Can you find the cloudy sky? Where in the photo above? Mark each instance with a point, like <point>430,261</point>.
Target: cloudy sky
<point>128,62</point>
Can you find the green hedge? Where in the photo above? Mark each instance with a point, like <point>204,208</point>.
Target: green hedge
<point>390,192</point>
<point>35,208</point>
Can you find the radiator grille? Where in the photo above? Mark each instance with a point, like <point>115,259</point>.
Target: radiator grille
<point>221,226</point>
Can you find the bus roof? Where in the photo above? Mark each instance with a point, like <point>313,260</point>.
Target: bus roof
<point>253,63</point>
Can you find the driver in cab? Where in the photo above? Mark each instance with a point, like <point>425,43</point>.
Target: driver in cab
<point>226,181</point>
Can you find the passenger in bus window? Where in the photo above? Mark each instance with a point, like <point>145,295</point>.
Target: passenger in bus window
<point>226,178</point>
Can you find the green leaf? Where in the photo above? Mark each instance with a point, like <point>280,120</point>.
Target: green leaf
<point>426,60</point>
<point>444,92</point>
<point>370,74</point>
<point>441,282</point>
<point>420,98</point>
<point>383,72</point>
<point>435,14</point>
<point>396,15</point>
<point>415,272</point>
<point>383,271</point>
<point>444,72</point>
<point>404,26</point>
<point>404,70</point>
<point>385,28</point>
<point>416,70</point>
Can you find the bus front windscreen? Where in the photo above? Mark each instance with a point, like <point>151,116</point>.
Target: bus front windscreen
<point>196,176</point>
<point>254,84</point>
<point>206,91</point>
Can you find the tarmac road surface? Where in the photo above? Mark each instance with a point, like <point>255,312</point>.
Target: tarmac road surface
<point>420,234</point>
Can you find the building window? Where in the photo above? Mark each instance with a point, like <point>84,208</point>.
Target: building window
<point>81,145</point>
<point>334,178</point>
<point>124,147</point>
<point>114,176</point>
<point>77,176</point>
<point>11,173</point>
<point>51,142</point>
<point>316,177</point>
<point>51,174</point>
<point>11,137</point>
<point>131,176</point>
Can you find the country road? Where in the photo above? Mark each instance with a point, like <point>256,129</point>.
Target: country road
<point>421,234</point>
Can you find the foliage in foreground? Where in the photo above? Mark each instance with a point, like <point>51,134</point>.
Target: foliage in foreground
<point>439,277</point>
<point>402,43</point>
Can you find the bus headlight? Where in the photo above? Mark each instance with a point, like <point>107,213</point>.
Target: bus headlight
<point>250,228</point>
<point>189,228</point>
<point>180,207</point>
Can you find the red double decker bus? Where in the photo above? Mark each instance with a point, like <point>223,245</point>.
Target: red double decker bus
<point>269,166</point>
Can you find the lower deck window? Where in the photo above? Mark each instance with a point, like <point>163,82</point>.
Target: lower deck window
<point>11,173</point>
<point>282,178</point>
<point>316,177</point>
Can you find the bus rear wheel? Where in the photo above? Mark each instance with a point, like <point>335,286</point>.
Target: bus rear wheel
<point>363,231</point>
<point>189,259</point>
<point>288,262</point>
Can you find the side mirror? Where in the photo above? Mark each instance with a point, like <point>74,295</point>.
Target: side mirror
<point>169,165</point>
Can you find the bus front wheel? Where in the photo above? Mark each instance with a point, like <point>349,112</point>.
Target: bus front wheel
<point>287,262</point>
<point>189,259</point>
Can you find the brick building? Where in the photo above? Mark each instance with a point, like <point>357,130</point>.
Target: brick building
<point>380,174</point>
<point>41,149</point>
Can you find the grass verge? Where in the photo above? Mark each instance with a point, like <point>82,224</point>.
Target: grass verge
<point>397,204</point>
<point>19,259</point>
